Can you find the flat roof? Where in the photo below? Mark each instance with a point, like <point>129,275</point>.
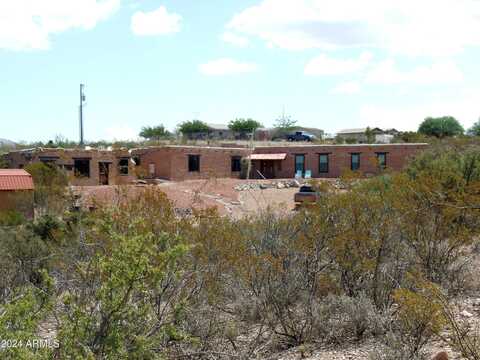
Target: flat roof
<point>190,147</point>
<point>339,145</point>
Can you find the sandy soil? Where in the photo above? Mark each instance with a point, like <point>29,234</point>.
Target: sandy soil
<point>201,194</point>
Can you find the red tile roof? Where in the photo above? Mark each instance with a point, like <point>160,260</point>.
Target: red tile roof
<point>15,179</point>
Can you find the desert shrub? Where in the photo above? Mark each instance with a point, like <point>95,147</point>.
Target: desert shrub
<point>51,183</point>
<point>128,301</point>
<point>25,256</point>
<point>342,318</point>
<point>435,201</point>
<point>393,348</point>
<point>11,218</point>
<point>419,317</point>
<point>22,311</point>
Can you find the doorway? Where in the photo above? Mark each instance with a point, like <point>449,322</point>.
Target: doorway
<point>103,172</point>
<point>267,168</point>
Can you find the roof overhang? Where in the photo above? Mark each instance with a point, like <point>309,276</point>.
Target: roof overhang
<point>281,156</point>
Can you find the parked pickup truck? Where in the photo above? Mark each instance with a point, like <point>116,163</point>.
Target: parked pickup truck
<point>306,195</point>
<point>301,136</point>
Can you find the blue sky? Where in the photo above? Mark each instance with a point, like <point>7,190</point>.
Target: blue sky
<point>332,65</point>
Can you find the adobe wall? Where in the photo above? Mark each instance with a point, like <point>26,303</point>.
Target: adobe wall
<point>159,157</point>
<point>65,158</point>
<point>172,162</point>
<point>340,159</point>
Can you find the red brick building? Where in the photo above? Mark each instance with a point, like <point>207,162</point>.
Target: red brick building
<point>317,161</point>
<point>330,161</point>
<point>16,192</point>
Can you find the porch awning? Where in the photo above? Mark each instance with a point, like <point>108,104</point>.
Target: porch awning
<point>267,156</point>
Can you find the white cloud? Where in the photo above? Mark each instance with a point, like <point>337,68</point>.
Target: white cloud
<point>412,27</point>
<point>387,72</point>
<point>234,39</point>
<point>28,24</point>
<point>347,88</point>
<point>121,132</point>
<point>464,107</point>
<point>156,22</point>
<point>226,66</point>
<point>324,65</point>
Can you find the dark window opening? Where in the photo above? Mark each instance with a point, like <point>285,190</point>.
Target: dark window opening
<point>123,166</point>
<point>382,160</point>
<point>236,163</point>
<point>193,163</point>
<point>136,160</point>
<point>323,163</point>
<point>82,167</point>
<point>355,162</point>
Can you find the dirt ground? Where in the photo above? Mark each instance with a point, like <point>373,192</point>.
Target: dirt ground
<point>201,194</point>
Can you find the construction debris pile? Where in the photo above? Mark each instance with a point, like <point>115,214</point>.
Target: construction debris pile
<point>277,184</point>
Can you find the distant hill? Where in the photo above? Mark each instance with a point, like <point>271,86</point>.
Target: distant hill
<point>7,143</point>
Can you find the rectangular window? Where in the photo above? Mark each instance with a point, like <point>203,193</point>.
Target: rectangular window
<point>81,167</point>
<point>355,162</point>
<point>300,164</point>
<point>382,160</point>
<point>123,166</point>
<point>236,163</point>
<point>323,163</point>
<point>193,163</point>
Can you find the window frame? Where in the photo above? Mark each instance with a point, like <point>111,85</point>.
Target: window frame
<point>190,162</point>
<point>236,160</point>
<point>351,161</point>
<point>77,172</point>
<point>295,163</point>
<point>320,171</point>
<point>123,170</point>
<point>384,165</point>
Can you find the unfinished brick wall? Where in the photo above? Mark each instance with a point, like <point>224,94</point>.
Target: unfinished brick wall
<point>65,158</point>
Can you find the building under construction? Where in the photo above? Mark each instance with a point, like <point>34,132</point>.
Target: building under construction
<point>171,162</point>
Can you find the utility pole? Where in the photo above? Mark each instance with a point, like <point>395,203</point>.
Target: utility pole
<point>82,100</point>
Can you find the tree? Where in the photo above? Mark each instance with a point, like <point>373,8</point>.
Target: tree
<point>285,122</point>
<point>244,126</point>
<point>475,129</point>
<point>441,127</point>
<point>369,134</point>
<point>193,127</point>
<point>154,132</point>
